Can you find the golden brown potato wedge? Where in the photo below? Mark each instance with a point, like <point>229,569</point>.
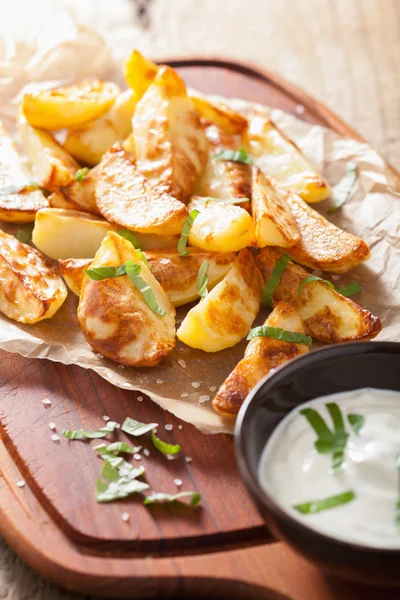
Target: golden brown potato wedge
<point>69,106</point>
<point>148,241</point>
<point>178,274</point>
<point>89,142</point>
<point>225,315</point>
<point>169,141</point>
<point>221,178</point>
<point>275,224</point>
<point>220,227</point>
<point>326,315</point>
<point>82,192</point>
<point>31,288</point>
<point>114,316</point>
<point>18,204</point>
<point>73,272</point>
<point>262,355</point>
<point>139,73</point>
<point>322,245</point>
<point>280,158</point>
<point>61,233</point>
<point>219,114</point>
<point>124,196</point>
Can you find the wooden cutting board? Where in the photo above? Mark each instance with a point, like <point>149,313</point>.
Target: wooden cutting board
<point>53,521</point>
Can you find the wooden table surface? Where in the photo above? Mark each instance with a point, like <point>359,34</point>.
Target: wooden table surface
<point>344,52</point>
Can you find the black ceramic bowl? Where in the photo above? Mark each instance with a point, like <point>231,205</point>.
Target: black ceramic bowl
<point>326,371</point>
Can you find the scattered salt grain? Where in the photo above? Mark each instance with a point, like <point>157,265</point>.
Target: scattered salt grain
<point>46,402</point>
<point>212,388</point>
<point>55,438</point>
<point>121,366</point>
<point>125,517</point>
<point>196,384</point>
<point>137,457</point>
<point>146,452</point>
<point>178,482</point>
<point>169,427</point>
<point>99,355</point>
<point>184,395</point>
<point>182,363</point>
<point>21,483</point>
<point>140,398</point>
<point>204,398</point>
<point>171,456</point>
<point>160,381</point>
<point>52,426</point>
<point>188,459</point>
<point>180,427</point>
<point>335,277</point>
<point>299,109</point>
<point>106,418</point>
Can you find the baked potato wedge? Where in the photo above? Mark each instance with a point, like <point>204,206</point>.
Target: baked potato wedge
<point>82,192</point>
<point>275,224</point>
<point>169,141</point>
<point>139,73</point>
<point>148,241</point>
<point>280,158</point>
<point>58,200</point>
<point>219,114</point>
<point>323,245</point>
<point>114,316</point>
<point>73,272</point>
<point>262,355</point>
<point>220,227</point>
<point>90,141</point>
<point>326,315</point>
<point>31,288</point>
<point>19,201</point>
<point>61,233</point>
<point>125,197</point>
<point>69,106</point>
<point>224,179</point>
<point>225,315</point>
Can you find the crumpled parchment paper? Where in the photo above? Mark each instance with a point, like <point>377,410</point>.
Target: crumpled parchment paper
<point>187,380</point>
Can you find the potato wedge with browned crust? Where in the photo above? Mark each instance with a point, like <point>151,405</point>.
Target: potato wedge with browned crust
<point>125,197</point>
<point>322,244</point>
<point>139,73</point>
<point>224,178</point>
<point>19,201</point>
<point>169,141</point>
<point>69,106</point>
<point>31,288</point>
<point>225,315</point>
<point>280,158</point>
<point>73,272</point>
<point>262,355</point>
<point>275,224</point>
<point>114,315</point>
<point>326,314</point>
<point>219,114</point>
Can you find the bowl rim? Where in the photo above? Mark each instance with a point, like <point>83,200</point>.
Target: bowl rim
<point>250,479</point>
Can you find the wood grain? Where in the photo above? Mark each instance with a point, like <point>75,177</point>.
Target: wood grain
<point>55,524</point>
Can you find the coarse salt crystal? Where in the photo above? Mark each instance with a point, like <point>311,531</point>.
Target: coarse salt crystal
<point>46,401</point>
<point>125,517</point>
<point>55,437</point>
<point>121,366</point>
<point>52,426</point>
<point>169,427</point>
<point>299,109</point>
<point>140,398</point>
<point>137,457</point>
<point>106,418</point>
<point>99,355</point>
<point>146,452</point>
<point>21,483</point>
<point>180,427</point>
<point>182,363</point>
<point>160,381</point>
<point>178,482</point>
<point>335,277</point>
<point>196,384</point>
<point>184,395</point>
<point>171,456</point>
<point>204,398</point>
<point>188,459</point>
<point>212,388</point>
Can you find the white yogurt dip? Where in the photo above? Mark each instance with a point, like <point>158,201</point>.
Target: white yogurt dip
<point>293,472</point>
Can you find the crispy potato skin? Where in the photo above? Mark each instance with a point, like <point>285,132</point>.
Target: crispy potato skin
<point>169,141</point>
<point>219,114</point>
<point>262,355</point>
<point>114,316</point>
<point>322,244</point>
<point>221,178</point>
<point>275,224</point>
<point>125,197</point>
<point>73,272</point>
<point>326,315</point>
<point>31,289</point>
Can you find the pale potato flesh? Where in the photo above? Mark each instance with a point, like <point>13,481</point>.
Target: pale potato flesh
<point>73,272</point>
<point>225,315</point>
<point>114,316</point>
<point>31,287</point>
<point>220,227</point>
<point>219,114</point>
<point>69,106</point>
<point>322,244</point>
<point>275,224</point>
<point>16,206</point>
<point>326,315</point>
<point>61,233</point>
<point>169,141</point>
<point>262,355</point>
<point>125,197</point>
<point>280,158</point>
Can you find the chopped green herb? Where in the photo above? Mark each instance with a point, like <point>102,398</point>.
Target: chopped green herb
<point>356,422</point>
<point>131,237</point>
<point>341,192</point>
<point>275,278</point>
<point>239,156</point>
<point>123,467</point>
<point>81,434</point>
<point>142,257</point>
<point>202,280</point>
<point>316,506</point>
<point>163,446</point>
<point>311,278</point>
<point>24,233</point>
<point>279,334</point>
<point>144,288</point>
<point>15,188</point>
<point>340,435</point>
<point>109,472</point>
<point>324,442</point>
<point>349,290</point>
<point>161,497</point>
<point>187,226</point>
<point>81,174</point>
<point>99,273</point>
<point>116,448</point>
<point>136,428</point>
<point>120,488</point>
